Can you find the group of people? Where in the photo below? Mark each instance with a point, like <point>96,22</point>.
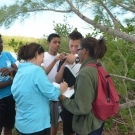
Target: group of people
<point>39,103</point>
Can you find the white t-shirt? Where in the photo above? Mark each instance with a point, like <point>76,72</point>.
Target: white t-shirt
<point>48,58</point>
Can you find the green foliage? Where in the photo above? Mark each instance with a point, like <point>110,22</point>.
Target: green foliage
<point>120,60</point>
<point>15,44</point>
<point>63,29</point>
<point>108,124</point>
<point>24,9</point>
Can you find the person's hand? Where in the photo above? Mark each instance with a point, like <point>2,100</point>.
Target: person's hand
<point>61,97</point>
<point>72,87</point>
<point>71,58</point>
<point>63,87</point>
<point>60,57</point>
<point>6,71</point>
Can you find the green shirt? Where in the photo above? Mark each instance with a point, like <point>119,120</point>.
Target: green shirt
<point>84,121</point>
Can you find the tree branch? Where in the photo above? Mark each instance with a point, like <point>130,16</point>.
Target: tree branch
<point>123,6</point>
<point>117,33</point>
<point>115,21</point>
<point>127,105</point>
<point>42,9</point>
<point>123,77</point>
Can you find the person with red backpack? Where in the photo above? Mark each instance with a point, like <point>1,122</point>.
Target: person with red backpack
<point>84,120</point>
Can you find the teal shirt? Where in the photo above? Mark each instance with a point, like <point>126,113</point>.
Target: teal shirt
<point>85,92</point>
<point>32,90</point>
<point>6,61</point>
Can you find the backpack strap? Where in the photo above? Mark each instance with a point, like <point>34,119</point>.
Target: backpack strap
<point>94,65</point>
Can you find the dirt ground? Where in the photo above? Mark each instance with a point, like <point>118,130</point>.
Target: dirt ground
<point>59,132</point>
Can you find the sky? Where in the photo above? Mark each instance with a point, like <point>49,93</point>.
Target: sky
<point>42,23</point>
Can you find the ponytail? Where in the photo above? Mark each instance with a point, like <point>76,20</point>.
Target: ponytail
<point>100,49</point>
<point>96,48</point>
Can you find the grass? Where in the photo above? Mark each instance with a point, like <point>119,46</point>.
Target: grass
<point>7,48</point>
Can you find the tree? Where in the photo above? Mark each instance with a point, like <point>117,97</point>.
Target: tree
<point>104,15</point>
<point>114,19</point>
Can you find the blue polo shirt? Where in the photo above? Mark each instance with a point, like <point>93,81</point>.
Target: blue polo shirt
<point>32,90</point>
<point>6,60</point>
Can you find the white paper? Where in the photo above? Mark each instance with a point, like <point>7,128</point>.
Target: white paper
<point>74,68</point>
<point>69,92</point>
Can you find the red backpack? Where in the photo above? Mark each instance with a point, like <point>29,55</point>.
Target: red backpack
<point>106,103</point>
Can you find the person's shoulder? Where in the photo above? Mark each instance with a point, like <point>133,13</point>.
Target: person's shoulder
<point>6,53</point>
<point>34,69</point>
<point>88,70</point>
<point>39,68</point>
<point>46,53</point>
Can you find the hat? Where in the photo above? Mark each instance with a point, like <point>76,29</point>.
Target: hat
<point>1,41</point>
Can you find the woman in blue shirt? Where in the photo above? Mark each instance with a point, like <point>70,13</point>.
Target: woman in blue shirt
<point>32,91</point>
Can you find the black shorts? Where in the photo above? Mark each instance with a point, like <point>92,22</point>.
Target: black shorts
<point>43,132</point>
<point>7,112</point>
<point>67,121</point>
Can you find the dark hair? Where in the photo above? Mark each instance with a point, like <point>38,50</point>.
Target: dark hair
<point>28,51</point>
<point>96,48</point>
<point>75,35</point>
<point>1,41</point>
<point>51,36</point>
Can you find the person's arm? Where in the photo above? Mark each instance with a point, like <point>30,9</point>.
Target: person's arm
<point>59,75</point>
<point>47,88</point>
<point>49,68</point>
<point>71,58</point>
<point>5,84</point>
<point>7,71</point>
<point>15,67</point>
<point>84,96</point>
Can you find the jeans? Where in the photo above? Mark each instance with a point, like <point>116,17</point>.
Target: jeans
<point>96,132</point>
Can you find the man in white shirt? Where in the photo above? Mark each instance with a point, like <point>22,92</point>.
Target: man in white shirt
<point>51,57</point>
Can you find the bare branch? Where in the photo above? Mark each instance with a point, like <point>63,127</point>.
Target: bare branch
<point>48,9</point>
<point>123,78</point>
<point>127,105</point>
<point>117,33</point>
<point>115,21</point>
<point>123,6</point>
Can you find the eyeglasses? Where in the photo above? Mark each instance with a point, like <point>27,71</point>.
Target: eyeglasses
<point>79,50</point>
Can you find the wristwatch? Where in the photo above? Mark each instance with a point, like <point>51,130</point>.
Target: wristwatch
<point>77,60</point>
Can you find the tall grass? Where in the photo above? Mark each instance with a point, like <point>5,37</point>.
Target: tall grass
<point>7,39</point>
<point>7,48</point>
<point>43,41</point>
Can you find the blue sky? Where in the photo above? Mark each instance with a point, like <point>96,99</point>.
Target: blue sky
<point>41,24</point>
